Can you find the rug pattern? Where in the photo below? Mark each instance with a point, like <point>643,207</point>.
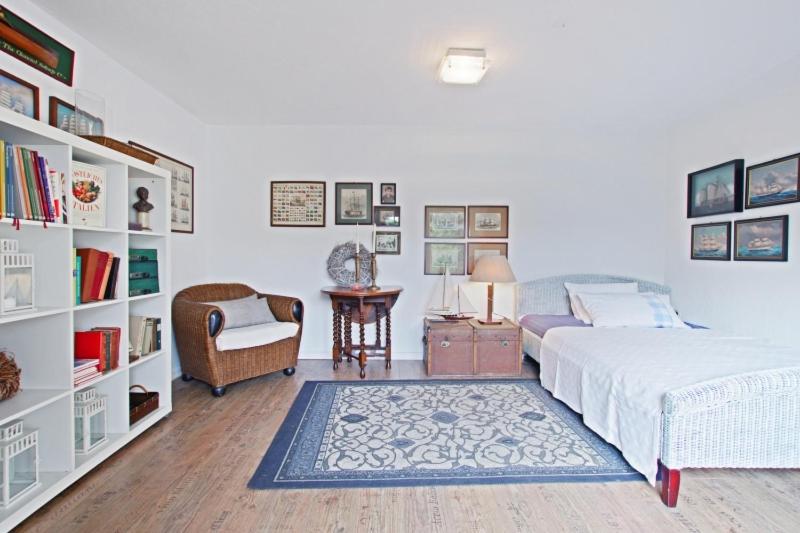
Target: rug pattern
<point>433,432</point>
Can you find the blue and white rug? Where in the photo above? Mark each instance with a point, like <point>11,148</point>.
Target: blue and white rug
<point>433,432</point>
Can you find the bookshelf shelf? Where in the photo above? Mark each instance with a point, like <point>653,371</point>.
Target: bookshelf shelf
<point>42,339</point>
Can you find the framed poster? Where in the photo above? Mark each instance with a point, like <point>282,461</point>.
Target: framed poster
<point>62,115</point>
<point>487,221</point>
<point>772,183</point>
<point>354,203</point>
<point>445,222</point>
<point>387,242</point>
<point>476,250</point>
<point>715,190</point>
<point>762,239</point>
<point>22,40</point>
<point>182,188</point>
<point>18,95</point>
<point>387,215</point>
<point>440,256</point>
<point>299,204</point>
<point>711,242</point>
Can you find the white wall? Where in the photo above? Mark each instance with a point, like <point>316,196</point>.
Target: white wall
<point>740,297</point>
<point>579,201</point>
<point>134,111</point>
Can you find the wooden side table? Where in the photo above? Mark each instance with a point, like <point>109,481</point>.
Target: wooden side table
<point>469,348</point>
<point>361,307</point>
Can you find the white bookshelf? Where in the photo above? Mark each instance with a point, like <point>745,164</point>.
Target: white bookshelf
<point>42,339</point>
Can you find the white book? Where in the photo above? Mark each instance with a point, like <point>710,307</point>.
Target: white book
<point>88,201</point>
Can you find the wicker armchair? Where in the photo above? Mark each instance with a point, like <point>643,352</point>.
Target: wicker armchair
<point>197,324</point>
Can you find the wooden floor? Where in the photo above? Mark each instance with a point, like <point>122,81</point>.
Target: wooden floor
<point>190,471</point>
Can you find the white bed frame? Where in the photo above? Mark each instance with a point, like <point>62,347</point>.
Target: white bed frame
<point>750,421</point>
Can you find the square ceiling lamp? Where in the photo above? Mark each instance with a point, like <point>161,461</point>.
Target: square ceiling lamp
<point>463,66</point>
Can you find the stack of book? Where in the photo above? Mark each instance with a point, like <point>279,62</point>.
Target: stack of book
<point>84,371</point>
<point>94,275</point>
<point>145,336</point>
<point>101,345</point>
<point>142,271</point>
<point>29,188</point>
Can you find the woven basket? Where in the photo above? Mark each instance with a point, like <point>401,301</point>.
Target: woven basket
<point>120,146</point>
<point>9,376</point>
<point>142,403</point>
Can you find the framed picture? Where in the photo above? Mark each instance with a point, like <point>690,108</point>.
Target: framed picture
<point>487,221</point>
<point>444,222</point>
<point>22,40</point>
<point>387,242</point>
<point>476,250</point>
<point>711,241</point>
<point>19,95</point>
<point>387,216</point>
<point>182,185</point>
<point>62,116</point>
<point>772,183</point>
<point>444,255</point>
<point>298,204</point>
<point>762,239</point>
<point>354,203</point>
<point>715,190</point>
<point>389,193</point>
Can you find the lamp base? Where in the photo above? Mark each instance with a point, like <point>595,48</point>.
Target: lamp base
<point>490,322</point>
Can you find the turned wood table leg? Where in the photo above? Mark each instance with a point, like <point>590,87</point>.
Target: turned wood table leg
<point>377,326</point>
<point>362,354</point>
<point>388,351</point>
<point>348,334</point>
<point>336,351</point>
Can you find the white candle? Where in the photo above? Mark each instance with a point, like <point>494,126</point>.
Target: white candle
<point>357,238</point>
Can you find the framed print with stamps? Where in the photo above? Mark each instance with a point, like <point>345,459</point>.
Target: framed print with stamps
<point>297,204</point>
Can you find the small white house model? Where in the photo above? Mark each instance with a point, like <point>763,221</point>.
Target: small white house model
<point>19,456</point>
<point>16,278</point>
<point>90,421</point>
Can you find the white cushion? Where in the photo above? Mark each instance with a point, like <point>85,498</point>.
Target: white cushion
<point>594,288</point>
<point>639,310</point>
<point>247,311</point>
<point>257,335</point>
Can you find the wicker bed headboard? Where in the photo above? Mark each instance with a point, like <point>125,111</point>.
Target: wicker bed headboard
<point>547,296</point>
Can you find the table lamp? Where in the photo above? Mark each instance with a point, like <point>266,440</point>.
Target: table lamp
<point>492,269</point>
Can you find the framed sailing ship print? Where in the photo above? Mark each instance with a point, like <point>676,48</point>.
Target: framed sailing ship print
<point>772,183</point>
<point>762,239</point>
<point>354,203</point>
<point>299,204</point>
<point>715,190</point>
<point>711,242</point>
<point>487,221</point>
<point>18,95</point>
<point>444,222</point>
<point>441,257</point>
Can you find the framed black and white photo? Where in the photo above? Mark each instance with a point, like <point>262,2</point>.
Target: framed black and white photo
<point>387,242</point>
<point>387,216</point>
<point>444,256</point>
<point>445,222</point>
<point>299,204</point>
<point>715,190</point>
<point>711,242</point>
<point>762,239</point>
<point>354,203</point>
<point>487,221</point>
<point>389,193</point>
<point>773,183</point>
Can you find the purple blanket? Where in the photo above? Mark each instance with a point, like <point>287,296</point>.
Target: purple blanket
<point>539,324</point>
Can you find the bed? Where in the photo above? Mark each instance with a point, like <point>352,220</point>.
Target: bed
<point>667,398</point>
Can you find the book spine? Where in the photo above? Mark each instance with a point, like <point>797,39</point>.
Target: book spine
<point>46,188</point>
<point>158,333</point>
<point>3,189</point>
<point>76,278</point>
<point>55,192</point>
<point>11,198</point>
<point>25,200</point>
<point>33,189</point>
<point>66,192</point>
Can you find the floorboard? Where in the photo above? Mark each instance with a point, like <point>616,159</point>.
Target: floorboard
<point>190,471</point>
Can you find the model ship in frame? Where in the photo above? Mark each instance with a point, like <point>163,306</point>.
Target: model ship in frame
<point>449,301</point>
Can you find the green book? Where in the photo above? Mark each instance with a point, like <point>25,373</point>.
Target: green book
<point>143,270</point>
<point>142,254</point>
<point>138,287</point>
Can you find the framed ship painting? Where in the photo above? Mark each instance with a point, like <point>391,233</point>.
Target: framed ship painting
<point>445,222</point>
<point>354,203</point>
<point>762,239</point>
<point>299,204</point>
<point>182,188</point>
<point>476,250</point>
<point>715,190</point>
<point>63,116</point>
<point>487,221</point>
<point>444,256</point>
<point>772,183</point>
<point>711,241</point>
<point>19,95</point>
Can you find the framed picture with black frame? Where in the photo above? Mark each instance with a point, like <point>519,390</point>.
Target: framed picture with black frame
<point>715,190</point>
<point>762,239</point>
<point>387,215</point>
<point>297,204</point>
<point>773,183</point>
<point>711,242</point>
<point>353,203</point>
<point>388,193</point>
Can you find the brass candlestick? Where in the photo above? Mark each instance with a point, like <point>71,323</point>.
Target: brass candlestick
<point>373,263</point>
<point>357,286</point>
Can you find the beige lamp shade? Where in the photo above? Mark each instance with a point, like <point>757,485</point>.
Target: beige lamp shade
<point>493,269</point>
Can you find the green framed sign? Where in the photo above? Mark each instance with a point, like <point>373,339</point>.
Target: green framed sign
<point>30,45</point>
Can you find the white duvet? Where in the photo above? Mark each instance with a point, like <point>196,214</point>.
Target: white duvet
<point>617,377</point>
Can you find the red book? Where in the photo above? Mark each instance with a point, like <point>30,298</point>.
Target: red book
<point>97,282</point>
<point>91,345</point>
<point>112,344</point>
<point>106,275</point>
<point>89,260</point>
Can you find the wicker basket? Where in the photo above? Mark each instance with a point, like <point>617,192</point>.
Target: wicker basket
<point>142,403</point>
<point>9,375</point>
<point>120,146</point>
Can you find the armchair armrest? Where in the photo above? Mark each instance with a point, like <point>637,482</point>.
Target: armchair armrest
<point>285,308</point>
<point>195,315</point>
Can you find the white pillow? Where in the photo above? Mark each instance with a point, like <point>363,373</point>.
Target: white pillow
<point>639,310</point>
<point>594,288</point>
<point>244,312</point>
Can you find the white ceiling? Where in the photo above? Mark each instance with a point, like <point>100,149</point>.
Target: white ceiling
<point>640,63</point>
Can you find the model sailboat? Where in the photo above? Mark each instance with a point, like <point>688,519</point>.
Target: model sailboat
<point>449,301</point>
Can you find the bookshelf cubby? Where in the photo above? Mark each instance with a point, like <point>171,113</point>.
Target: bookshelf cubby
<point>42,339</point>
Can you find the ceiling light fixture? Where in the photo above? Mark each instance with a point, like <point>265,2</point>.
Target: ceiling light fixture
<point>463,66</point>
